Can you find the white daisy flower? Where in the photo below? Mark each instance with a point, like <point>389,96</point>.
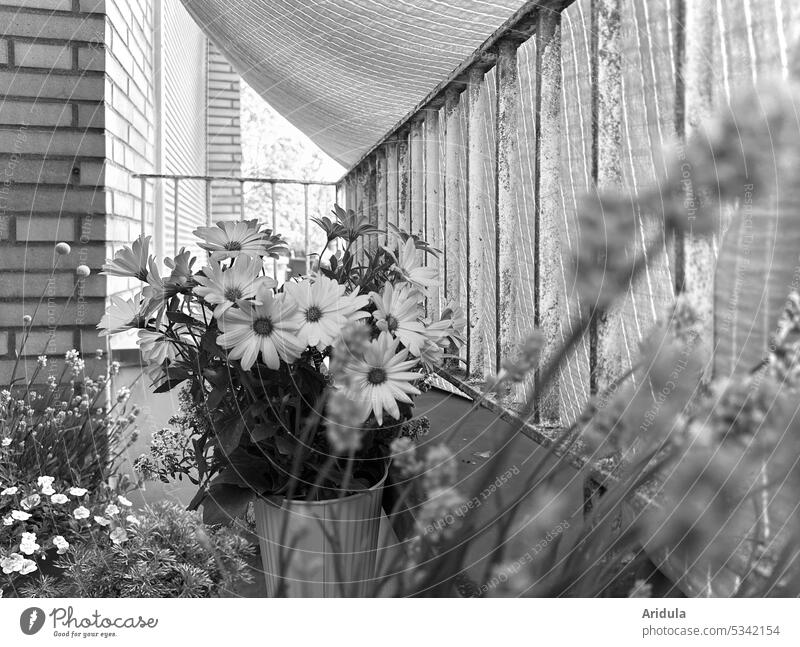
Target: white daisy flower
<point>325,309</point>
<point>398,311</point>
<point>102,520</point>
<point>132,519</point>
<point>118,535</point>
<point>61,544</point>
<point>9,491</point>
<point>231,239</point>
<point>130,261</point>
<point>77,491</point>
<point>124,501</point>
<point>59,499</point>
<point>80,512</point>
<point>19,515</point>
<point>268,329</point>
<point>409,265</point>
<point>28,543</point>
<point>111,510</point>
<point>5,442</point>
<point>156,347</point>
<point>121,314</point>
<point>8,521</point>
<point>224,287</point>
<point>382,377</point>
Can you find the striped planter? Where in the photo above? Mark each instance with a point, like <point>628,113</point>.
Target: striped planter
<point>330,546</point>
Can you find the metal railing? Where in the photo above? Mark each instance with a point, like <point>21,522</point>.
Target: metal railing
<point>210,181</point>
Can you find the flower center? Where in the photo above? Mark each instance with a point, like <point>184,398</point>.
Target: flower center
<point>313,314</point>
<point>233,246</point>
<point>391,323</point>
<point>376,376</point>
<point>263,326</point>
<point>233,294</point>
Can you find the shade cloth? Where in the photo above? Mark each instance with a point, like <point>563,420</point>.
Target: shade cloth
<point>345,71</point>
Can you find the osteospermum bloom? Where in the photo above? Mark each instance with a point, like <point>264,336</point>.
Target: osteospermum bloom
<point>80,512</point>
<point>121,314</point>
<point>268,329</point>
<point>324,309</point>
<point>397,311</point>
<point>224,287</point>
<point>156,347</point>
<point>382,377</point>
<point>409,265</point>
<point>130,261</point>
<point>233,238</point>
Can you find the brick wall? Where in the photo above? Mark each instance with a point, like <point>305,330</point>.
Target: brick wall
<point>82,108</point>
<point>224,134</point>
<point>52,150</point>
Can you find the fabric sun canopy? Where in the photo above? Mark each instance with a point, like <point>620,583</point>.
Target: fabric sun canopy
<point>346,71</point>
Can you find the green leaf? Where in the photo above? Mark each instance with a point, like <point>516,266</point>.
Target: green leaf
<point>182,318</point>
<point>223,503</point>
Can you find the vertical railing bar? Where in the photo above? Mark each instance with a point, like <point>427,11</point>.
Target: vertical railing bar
<point>274,226</point>
<point>392,188</point>
<point>143,206</point>
<point>416,177</point>
<point>176,184</point>
<point>209,204</point>
<point>305,234</point>
<point>508,178</point>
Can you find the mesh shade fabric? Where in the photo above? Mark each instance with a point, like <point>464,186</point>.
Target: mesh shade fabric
<point>345,71</point>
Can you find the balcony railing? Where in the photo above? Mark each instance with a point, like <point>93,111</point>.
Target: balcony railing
<point>176,181</point>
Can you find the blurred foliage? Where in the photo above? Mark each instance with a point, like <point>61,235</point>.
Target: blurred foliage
<point>272,147</point>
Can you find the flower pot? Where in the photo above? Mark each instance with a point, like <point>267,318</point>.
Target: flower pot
<point>328,549</point>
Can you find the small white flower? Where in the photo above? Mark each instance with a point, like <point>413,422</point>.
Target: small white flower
<point>28,543</point>
<point>19,515</point>
<point>28,566</point>
<point>80,512</point>
<point>5,442</point>
<point>9,491</point>
<point>30,501</point>
<point>118,535</point>
<point>60,543</point>
<point>123,501</point>
<point>132,519</point>
<point>8,521</point>
<point>102,521</point>
<point>45,484</point>
<point>59,499</point>
<point>12,564</point>
<point>111,510</point>
<point>77,491</point>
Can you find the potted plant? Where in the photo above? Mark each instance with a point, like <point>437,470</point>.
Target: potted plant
<point>291,392</point>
